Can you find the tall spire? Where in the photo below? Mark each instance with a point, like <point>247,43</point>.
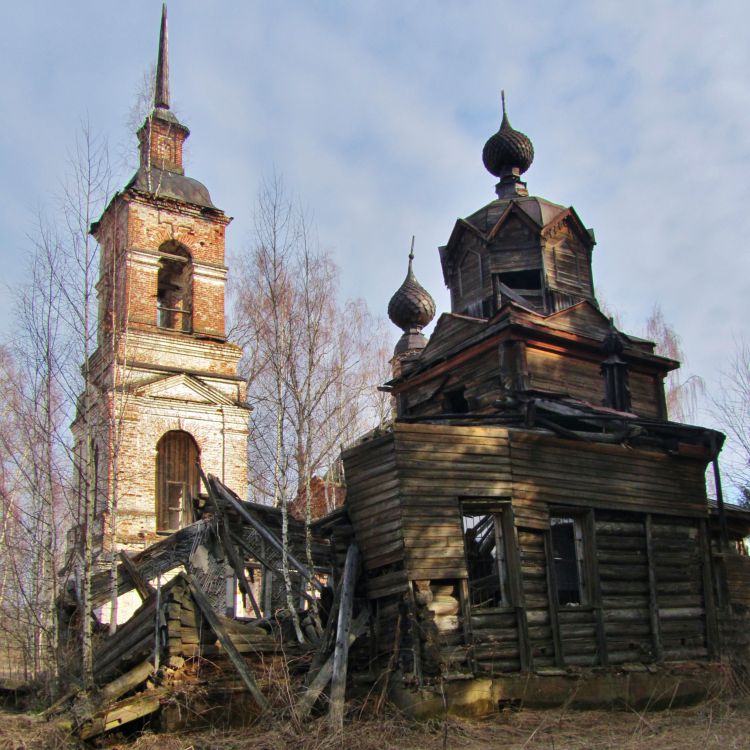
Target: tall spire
<point>161,89</point>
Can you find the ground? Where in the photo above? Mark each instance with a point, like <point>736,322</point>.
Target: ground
<point>719,723</point>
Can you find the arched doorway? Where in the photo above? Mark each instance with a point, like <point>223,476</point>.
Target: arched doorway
<point>177,480</point>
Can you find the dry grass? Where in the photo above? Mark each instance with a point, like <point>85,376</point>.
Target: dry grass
<point>717,723</point>
<point>27,732</point>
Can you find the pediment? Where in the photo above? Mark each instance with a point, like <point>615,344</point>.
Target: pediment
<point>183,387</point>
<point>572,221</point>
<point>514,211</point>
<point>583,318</point>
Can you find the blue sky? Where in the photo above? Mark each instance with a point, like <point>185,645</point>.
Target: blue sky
<point>375,114</point>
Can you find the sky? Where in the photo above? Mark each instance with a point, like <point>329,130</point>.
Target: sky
<point>375,113</point>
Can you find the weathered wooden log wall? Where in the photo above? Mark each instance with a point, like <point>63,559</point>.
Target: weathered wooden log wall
<point>616,477</point>
<point>648,570</point>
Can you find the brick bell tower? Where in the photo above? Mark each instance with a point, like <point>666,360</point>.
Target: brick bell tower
<point>164,391</point>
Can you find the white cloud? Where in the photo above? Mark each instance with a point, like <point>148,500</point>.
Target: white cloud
<point>376,114</point>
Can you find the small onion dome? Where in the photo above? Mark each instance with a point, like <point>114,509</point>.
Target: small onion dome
<point>507,150</point>
<point>411,308</point>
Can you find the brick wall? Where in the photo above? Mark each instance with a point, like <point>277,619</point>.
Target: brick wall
<point>150,380</point>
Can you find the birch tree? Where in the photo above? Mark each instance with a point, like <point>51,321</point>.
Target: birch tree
<point>309,358</point>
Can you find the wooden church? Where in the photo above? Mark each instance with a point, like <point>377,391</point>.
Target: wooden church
<point>532,508</point>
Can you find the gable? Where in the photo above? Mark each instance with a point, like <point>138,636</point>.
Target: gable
<point>183,387</point>
<point>569,221</point>
<point>583,319</point>
<point>451,331</point>
<point>516,222</point>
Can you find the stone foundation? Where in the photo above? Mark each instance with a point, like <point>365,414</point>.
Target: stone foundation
<point>635,687</point>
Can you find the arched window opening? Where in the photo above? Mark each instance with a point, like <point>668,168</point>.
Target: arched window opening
<point>174,294</point>
<point>177,480</point>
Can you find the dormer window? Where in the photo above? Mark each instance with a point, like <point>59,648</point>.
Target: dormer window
<point>174,296</point>
<point>455,401</point>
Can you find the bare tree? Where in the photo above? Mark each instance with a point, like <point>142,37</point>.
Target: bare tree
<point>309,358</point>
<point>36,469</point>
<point>731,407</point>
<point>683,393</point>
<point>54,333</point>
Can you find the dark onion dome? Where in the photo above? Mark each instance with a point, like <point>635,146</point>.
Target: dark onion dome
<point>411,308</point>
<point>507,150</point>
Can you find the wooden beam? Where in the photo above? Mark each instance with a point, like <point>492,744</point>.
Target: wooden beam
<point>341,652</point>
<point>709,600</point>
<point>117,714</point>
<point>144,589</point>
<point>228,496</point>
<point>126,682</point>
<point>416,642</point>
<point>589,541</point>
<point>234,655</point>
<point>323,675</point>
<point>515,580</point>
<point>653,600</point>
<point>552,599</point>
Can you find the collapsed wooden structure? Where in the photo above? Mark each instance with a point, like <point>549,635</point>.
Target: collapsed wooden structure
<point>185,633</point>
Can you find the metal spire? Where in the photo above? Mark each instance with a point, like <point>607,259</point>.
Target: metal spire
<point>161,88</point>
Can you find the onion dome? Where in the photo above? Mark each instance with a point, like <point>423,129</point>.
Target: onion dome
<point>508,151</point>
<point>411,308</point>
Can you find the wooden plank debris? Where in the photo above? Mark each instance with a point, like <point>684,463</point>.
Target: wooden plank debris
<point>323,676</point>
<point>144,589</point>
<point>235,657</point>
<point>228,496</point>
<point>341,652</point>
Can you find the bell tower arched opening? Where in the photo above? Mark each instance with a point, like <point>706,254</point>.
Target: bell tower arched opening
<point>177,480</point>
<point>174,292</point>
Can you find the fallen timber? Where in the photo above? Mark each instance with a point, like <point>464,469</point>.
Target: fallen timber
<point>182,639</point>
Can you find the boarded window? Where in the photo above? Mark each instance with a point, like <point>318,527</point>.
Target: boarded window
<point>568,555</point>
<point>486,560</point>
<point>176,480</point>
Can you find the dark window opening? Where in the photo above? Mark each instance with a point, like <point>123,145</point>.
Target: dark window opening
<point>174,294</point>
<point>485,560</point>
<point>521,279</point>
<point>567,551</point>
<point>454,402</point>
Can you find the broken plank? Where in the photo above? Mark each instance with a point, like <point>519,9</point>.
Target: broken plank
<point>141,585</point>
<point>235,657</point>
<point>323,676</point>
<point>117,714</point>
<point>341,652</point>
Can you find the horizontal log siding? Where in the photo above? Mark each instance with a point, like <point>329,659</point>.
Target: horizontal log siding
<point>737,569</point>
<point>622,559</point>
<point>562,373</point>
<point>373,503</point>
<point>495,640</point>
<point>480,378</point>
<point>437,465</point>
<point>645,393</point>
<point>557,471</point>
<point>679,588</point>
